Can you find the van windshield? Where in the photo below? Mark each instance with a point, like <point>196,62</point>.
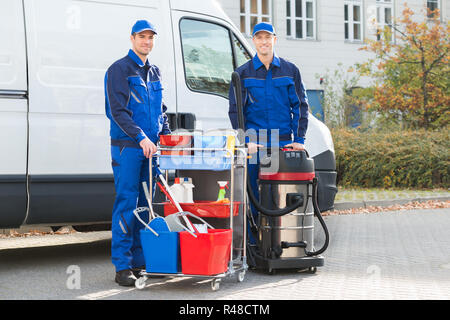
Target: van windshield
<point>208,56</point>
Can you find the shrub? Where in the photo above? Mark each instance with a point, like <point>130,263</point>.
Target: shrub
<point>394,159</point>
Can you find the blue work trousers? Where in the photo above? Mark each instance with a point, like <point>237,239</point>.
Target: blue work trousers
<point>130,168</point>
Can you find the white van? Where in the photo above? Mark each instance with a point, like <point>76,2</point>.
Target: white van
<point>55,165</point>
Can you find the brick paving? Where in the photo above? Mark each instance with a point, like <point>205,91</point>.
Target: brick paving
<point>390,255</point>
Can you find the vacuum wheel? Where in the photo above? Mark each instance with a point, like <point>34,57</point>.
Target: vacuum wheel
<point>312,270</point>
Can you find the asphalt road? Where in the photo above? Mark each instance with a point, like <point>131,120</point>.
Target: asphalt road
<point>389,255</point>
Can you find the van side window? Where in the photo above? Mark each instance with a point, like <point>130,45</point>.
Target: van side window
<point>242,56</point>
<point>208,56</point>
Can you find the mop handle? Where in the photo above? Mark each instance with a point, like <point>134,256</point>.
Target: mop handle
<point>149,200</point>
<point>177,213</point>
<point>186,220</point>
<point>196,217</point>
<point>185,228</point>
<point>150,190</point>
<point>169,193</point>
<point>141,209</point>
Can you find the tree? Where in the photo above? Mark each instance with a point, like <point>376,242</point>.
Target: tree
<point>337,100</point>
<point>411,74</point>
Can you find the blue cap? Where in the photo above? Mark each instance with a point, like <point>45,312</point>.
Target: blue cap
<point>263,26</point>
<point>142,25</point>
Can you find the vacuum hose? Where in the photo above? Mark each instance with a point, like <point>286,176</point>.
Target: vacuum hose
<point>269,212</point>
<point>236,81</point>
<point>322,222</point>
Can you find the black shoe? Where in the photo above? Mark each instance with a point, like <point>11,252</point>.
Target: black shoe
<point>137,271</point>
<point>125,278</point>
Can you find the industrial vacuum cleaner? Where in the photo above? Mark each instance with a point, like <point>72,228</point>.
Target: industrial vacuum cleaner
<point>284,231</point>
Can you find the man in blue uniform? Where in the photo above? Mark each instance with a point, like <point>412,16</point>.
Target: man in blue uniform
<point>133,103</point>
<point>273,99</point>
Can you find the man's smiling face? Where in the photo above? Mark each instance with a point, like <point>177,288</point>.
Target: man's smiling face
<point>264,42</point>
<point>143,42</point>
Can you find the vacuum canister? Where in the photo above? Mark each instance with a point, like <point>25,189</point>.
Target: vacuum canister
<point>285,177</point>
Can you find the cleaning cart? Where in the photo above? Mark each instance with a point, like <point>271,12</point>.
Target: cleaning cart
<point>181,247</point>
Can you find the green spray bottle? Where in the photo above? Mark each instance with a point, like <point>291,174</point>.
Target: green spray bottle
<point>222,191</point>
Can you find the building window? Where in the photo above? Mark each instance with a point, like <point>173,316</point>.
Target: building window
<point>384,17</point>
<point>253,12</point>
<point>353,26</point>
<point>431,6</point>
<point>301,19</point>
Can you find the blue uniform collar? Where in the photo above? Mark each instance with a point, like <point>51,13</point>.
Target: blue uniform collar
<point>258,64</point>
<point>136,59</point>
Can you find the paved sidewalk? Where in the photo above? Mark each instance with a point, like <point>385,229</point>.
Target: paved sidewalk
<point>362,198</point>
<point>53,239</point>
<point>345,199</point>
<point>394,255</point>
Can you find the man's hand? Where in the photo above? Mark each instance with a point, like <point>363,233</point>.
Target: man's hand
<point>296,146</point>
<point>253,147</point>
<point>148,147</point>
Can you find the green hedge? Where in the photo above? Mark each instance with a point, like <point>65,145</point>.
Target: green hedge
<point>399,159</point>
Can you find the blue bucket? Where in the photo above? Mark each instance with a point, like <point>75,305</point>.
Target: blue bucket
<point>204,162</point>
<point>161,253</point>
<point>210,141</point>
<point>217,142</point>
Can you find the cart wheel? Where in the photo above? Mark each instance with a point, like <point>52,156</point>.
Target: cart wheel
<point>241,276</point>
<point>215,284</point>
<point>140,283</point>
<point>312,270</point>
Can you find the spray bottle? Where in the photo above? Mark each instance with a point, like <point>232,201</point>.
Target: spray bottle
<point>222,191</point>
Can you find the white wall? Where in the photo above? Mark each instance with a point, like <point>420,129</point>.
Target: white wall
<point>315,56</point>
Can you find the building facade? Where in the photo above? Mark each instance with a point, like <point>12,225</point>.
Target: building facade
<point>317,35</point>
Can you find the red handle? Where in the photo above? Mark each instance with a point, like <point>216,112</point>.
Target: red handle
<point>165,192</point>
<point>173,203</point>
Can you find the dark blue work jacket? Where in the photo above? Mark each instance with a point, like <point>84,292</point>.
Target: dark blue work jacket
<point>272,99</point>
<point>133,101</point>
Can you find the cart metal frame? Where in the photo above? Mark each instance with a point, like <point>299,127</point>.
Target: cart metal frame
<point>238,265</point>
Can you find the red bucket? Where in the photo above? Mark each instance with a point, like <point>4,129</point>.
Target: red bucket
<point>208,254</point>
<point>176,152</point>
<point>204,209</point>
<point>174,140</point>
